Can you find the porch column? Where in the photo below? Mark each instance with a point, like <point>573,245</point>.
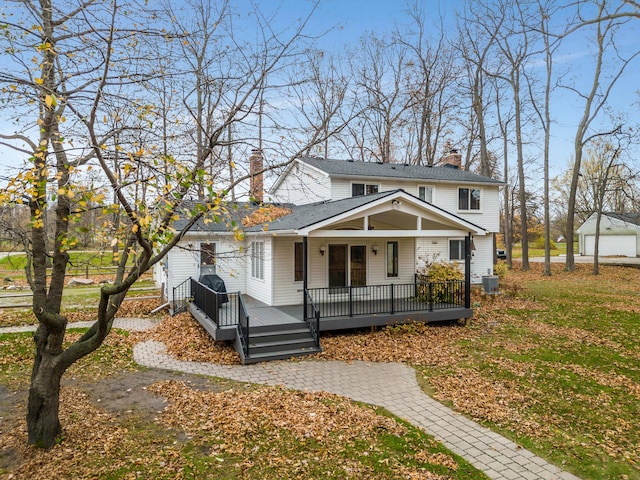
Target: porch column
<point>467,271</point>
<point>305,276</point>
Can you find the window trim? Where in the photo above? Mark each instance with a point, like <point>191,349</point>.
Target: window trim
<point>297,245</point>
<point>211,256</point>
<point>462,249</point>
<point>365,185</point>
<point>469,193</point>
<point>395,262</point>
<point>257,260</point>
<point>425,186</point>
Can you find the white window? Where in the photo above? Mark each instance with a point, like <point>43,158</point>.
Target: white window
<point>257,260</point>
<point>358,189</point>
<point>456,249</point>
<point>468,199</point>
<point>298,262</point>
<point>208,258</point>
<point>392,259</point>
<point>425,192</point>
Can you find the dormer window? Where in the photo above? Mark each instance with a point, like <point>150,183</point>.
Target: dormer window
<point>359,189</point>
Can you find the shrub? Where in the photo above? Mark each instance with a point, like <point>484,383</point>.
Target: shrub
<point>442,283</point>
<point>500,269</point>
<point>539,243</point>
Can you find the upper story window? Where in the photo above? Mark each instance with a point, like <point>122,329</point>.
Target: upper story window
<point>358,189</point>
<point>425,192</point>
<point>468,199</point>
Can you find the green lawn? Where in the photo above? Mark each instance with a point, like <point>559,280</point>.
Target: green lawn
<point>226,430</point>
<point>556,367</point>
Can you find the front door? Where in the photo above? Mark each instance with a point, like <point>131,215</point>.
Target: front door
<point>347,265</point>
<point>338,265</point>
<point>358,265</point>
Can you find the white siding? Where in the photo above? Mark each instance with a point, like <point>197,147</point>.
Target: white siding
<point>303,185</point>
<point>258,288</point>
<point>286,291</point>
<point>488,217</point>
<point>231,263</point>
<point>481,263</point>
<point>183,262</point>
<point>340,188</point>
<point>445,196</point>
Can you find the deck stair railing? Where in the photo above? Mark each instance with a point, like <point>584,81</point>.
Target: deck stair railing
<point>243,325</point>
<point>181,297</point>
<point>312,319</point>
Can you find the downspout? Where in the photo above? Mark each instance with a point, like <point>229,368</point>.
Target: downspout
<point>305,276</point>
<point>467,271</point>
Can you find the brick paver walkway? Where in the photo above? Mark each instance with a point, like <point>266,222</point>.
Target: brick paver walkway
<point>389,385</point>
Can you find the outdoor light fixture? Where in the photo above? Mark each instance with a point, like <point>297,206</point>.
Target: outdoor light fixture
<point>322,250</point>
<point>374,249</point>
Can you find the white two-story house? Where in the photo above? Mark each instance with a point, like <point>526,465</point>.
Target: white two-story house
<point>349,228</point>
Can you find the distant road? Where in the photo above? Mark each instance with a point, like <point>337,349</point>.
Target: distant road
<point>589,259</point>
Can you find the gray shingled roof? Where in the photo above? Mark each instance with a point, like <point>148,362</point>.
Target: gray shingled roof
<point>310,214</point>
<point>633,218</point>
<point>301,216</point>
<point>349,168</point>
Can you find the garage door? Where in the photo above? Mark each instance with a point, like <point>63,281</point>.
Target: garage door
<point>611,245</point>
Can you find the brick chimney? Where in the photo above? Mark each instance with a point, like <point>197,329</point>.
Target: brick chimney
<point>453,159</point>
<point>256,165</point>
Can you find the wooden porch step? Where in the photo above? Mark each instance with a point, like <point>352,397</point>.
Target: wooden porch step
<point>280,355</point>
<point>278,345</point>
<point>266,344</point>
<point>279,336</point>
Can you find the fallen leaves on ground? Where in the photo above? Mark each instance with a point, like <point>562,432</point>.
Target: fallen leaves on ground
<point>187,340</point>
<point>129,308</point>
<point>322,429</point>
<point>88,432</point>
<point>238,416</point>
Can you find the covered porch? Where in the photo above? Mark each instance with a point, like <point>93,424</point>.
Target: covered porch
<point>331,309</point>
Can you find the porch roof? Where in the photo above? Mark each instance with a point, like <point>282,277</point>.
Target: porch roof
<point>305,219</point>
<point>308,218</point>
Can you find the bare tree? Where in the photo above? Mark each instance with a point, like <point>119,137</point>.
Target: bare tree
<point>63,108</point>
<point>476,42</point>
<point>543,112</point>
<point>513,43</point>
<point>603,157</point>
<point>605,25</point>
<point>432,73</point>
<point>380,78</point>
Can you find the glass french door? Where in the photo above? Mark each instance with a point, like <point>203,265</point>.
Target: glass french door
<point>358,265</point>
<point>347,265</point>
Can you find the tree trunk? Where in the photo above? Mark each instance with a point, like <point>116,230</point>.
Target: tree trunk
<point>43,421</point>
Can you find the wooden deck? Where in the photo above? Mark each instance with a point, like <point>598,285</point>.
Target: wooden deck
<point>262,316</point>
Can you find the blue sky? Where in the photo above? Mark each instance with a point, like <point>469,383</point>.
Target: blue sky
<point>350,19</point>
<point>353,18</point>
